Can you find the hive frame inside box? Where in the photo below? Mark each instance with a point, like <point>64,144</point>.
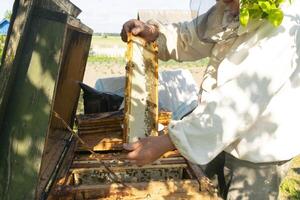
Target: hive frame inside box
<point>150,189</point>
<point>181,185</point>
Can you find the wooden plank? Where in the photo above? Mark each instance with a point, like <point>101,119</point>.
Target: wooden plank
<point>102,141</point>
<point>67,180</point>
<point>11,60</point>
<point>116,156</point>
<point>98,118</point>
<point>64,6</point>
<point>122,162</point>
<point>156,190</point>
<point>29,109</point>
<point>71,72</point>
<point>58,140</point>
<point>63,18</point>
<point>66,97</point>
<point>204,182</point>
<point>141,96</point>
<point>80,27</point>
<point>129,174</point>
<point>84,167</point>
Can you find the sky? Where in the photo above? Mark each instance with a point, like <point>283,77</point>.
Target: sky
<point>109,15</point>
<point>4,6</point>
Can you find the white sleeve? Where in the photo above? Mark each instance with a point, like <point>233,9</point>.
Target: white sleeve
<point>230,110</point>
<point>180,41</point>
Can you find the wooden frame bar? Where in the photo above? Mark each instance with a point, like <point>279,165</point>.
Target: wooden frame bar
<point>158,190</point>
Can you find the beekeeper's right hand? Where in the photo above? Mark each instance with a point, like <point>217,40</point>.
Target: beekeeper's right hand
<point>138,28</point>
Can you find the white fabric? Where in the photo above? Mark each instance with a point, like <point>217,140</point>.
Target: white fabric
<point>111,84</point>
<point>177,90</point>
<point>253,112</point>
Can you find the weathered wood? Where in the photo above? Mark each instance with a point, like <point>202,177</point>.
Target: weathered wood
<point>69,179</point>
<point>99,118</point>
<point>78,26</point>
<point>28,111</point>
<point>156,190</point>
<point>101,141</point>
<point>63,18</point>
<point>58,162</point>
<point>50,62</point>
<point>117,163</point>
<point>11,60</point>
<point>100,128</point>
<point>204,183</point>
<point>104,129</point>
<point>141,96</point>
<point>64,6</point>
<point>72,68</point>
<point>116,156</point>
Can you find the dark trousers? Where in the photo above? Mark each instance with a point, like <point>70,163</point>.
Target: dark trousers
<point>239,179</point>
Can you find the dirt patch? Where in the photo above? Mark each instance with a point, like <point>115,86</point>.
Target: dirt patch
<point>94,71</point>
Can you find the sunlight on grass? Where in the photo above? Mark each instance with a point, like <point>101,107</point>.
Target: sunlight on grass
<point>103,59</point>
<point>290,186</point>
<point>110,61</point>
<point>102,42</point>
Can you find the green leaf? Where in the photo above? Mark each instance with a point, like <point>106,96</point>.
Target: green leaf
<point>280,1</point>
<point>275,17</point>
<point>261,9</point>
<point>244,16</point>
<point>264,5</point>
<point>255,11</point>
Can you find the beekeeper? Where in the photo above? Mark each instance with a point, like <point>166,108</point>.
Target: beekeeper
<point>247,123</point>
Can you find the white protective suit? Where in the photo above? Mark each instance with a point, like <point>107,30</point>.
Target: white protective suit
<point>251,92</point>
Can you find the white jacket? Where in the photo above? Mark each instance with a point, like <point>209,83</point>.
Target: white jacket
<point>251,107</point>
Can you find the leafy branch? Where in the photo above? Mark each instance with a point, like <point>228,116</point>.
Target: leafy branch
<point>261,9</point>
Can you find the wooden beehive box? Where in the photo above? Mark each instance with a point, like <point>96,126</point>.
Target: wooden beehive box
<point>44,58</point>
<point>107,174</point>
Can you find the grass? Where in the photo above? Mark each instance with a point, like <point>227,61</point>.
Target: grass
<point>103,59</point>
<point>108,41</point>
<point>290,186</point>
<point>115,41</point>
<point>109,61</point>
<point>173,63</point>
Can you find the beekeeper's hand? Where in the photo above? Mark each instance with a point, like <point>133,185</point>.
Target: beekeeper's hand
<point>147,150</point>
<point>138,28</point>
